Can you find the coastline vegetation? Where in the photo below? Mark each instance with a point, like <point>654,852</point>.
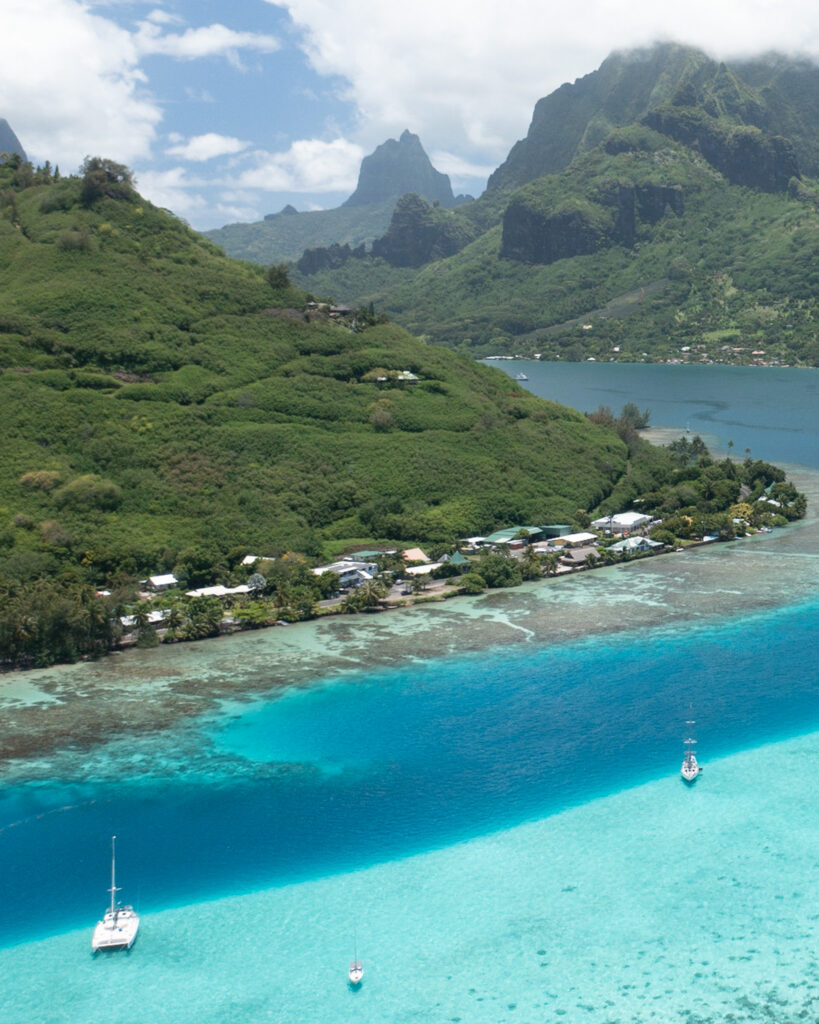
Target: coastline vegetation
<point>166,409</point>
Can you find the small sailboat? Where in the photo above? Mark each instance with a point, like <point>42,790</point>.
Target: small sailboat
<point>119,926</point>
<point>521,376</point>
<point>356,971</point>
<point>690,769</point>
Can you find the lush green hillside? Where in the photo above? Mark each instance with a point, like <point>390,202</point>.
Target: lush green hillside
<point>660,208</point>
<point>163,406</point>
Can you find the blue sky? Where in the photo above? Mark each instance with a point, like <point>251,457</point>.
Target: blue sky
<point>228,109</point>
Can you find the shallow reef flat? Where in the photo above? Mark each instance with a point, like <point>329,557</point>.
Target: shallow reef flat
<point>659,903</point>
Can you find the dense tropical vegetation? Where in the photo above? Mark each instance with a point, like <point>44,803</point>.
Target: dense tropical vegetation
<point>166,408</point>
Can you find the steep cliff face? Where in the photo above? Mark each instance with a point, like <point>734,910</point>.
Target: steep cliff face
<point>533,233</point>
<point>578,116</point>
<point>419,233</point>
<point>746,155</point>
<point>9,143</point>
<point>778,95</point>
<point>396,168</point>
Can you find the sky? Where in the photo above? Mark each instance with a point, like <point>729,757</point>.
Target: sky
<point>227,110</point>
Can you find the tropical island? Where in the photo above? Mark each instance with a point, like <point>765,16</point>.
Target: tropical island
<point>168,411</point>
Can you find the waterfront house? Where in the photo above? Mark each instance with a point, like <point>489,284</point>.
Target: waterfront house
<point>636,546</point>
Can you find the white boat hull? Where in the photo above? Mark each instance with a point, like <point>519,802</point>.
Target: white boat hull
<point>690,769</point>
<point>116,931</point>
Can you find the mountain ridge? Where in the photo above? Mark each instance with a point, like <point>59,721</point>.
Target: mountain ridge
<point>586,186</point>
<point>394,168</point>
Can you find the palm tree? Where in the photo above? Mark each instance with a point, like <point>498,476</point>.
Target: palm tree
<point>371,593</point>
<point>551,560</point>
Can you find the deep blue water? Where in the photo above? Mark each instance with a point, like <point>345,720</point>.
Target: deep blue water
<point>357,771</point>
<point>772,411</point>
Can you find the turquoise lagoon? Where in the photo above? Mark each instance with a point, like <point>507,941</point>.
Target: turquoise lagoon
<point>483,796</point>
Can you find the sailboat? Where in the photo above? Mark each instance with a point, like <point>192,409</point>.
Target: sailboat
<point>690,769</point>
<point>119,925</point>
<point>356,971</point>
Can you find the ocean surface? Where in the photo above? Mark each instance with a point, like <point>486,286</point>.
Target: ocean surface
<point>481,799</point>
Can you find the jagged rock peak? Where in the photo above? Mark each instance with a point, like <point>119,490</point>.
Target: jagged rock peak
<point>9,143</point>
<point>399,167</point>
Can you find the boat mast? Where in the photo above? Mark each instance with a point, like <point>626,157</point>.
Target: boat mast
<point>113,890</point>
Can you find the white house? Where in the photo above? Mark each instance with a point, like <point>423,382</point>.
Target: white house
<point>623,522</point>
<point>636,545</point>
<point>218,591</point>
<point>164,582</point>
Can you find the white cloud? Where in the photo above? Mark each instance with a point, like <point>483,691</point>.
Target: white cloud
<point>465,77</point>
<point>173,190</point>
<point>70,84</point>
<point>211,41</point>
<point>309,165</point>
<point>205,147</point>
<point>163,17</point>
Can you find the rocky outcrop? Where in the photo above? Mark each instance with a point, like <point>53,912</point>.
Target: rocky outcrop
<point>328,258</point>
<point>419,233</point>
<point>744,154</point>
<point>396,168</point>
<point>9,143</point>
<point>532,237</point>
<point>286,211</point>
<point>532,233</point>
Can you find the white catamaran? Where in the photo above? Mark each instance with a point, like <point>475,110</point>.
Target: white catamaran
<point>118,928</point>
<point>690,769</point>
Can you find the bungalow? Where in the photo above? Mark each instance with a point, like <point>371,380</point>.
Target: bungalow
<point>253,559</point>
<point>574,540</point>
<point>472,544</point>
<point>415,555</point>
<point>510,534</point>
<point>622,522</point>
<point>218,591</point>
<point>422,570</point>
<point>636,546</point>
<point>350,574</point>
<point>155,617</point>
<point>164,582</point>
<point>367,556</point>
<point>458,560</point>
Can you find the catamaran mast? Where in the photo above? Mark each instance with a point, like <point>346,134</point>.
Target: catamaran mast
<point>113,890</point>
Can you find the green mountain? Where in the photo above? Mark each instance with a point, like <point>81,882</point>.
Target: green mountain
<point>163,406</point>
<point>393,169</point>
<point>661,207</point>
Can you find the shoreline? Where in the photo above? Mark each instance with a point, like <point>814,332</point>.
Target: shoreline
<point>59,716</point>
